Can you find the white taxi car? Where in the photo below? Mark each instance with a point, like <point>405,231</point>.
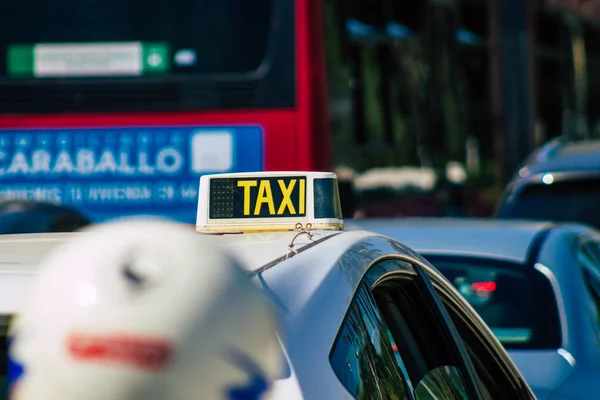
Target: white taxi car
<point>362,316</point>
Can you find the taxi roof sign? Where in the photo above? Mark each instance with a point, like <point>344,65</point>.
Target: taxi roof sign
<point>268,201</point>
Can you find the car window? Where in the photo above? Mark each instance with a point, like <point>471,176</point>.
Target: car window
<point>571,200</point>
<point>589,256</point>
<point>589,260</point>
<point>518,304</point>
<point>593,301</point>
<point>362,356</point>
<point>493,371</point>
<point>426,348</point>
<point>441,383</point>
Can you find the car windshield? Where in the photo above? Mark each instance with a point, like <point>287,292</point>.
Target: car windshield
<point>572,200</point>
<point>516,302</point>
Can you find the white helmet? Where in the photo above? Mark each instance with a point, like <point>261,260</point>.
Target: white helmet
<point>144,310</point>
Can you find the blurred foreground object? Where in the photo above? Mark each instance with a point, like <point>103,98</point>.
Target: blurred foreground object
<point>143,310</point>
<point>22,216</point>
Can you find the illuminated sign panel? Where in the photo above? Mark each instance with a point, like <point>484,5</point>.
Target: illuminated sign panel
<point>268,201</point>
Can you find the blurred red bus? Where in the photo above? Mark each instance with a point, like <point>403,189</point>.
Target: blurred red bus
<point>117,107</point>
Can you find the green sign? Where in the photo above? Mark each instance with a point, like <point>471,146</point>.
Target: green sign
<point>20,60</point>
<point>88,59</point>
<point>155,57</point>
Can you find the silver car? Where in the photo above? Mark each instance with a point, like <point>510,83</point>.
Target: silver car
<point>363,317</point>
<point>536,284</point>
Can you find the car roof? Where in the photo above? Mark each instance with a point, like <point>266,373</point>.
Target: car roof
<point>565,156</point>
<point>29,248</point>
<point>258,249</point>
<point>494,238</point>
<point>21,254</point>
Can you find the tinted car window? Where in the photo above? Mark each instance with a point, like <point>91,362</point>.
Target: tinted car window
<point>425,345</point>
<point>496,379</point>
<point>588,257</point>
<point>362,356</point>
<point>572,200</point>
<point>518,304</point>
<point>441,383</point>
<point>593,291</point>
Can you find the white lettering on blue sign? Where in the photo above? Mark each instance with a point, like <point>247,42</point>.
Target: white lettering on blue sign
<point>98,193</point>
<point>115,171</point>
<point>85,162</point>
<point>103,193</point>
<point>38,193</point>
<point>189,192</point>
<point>111,193</point>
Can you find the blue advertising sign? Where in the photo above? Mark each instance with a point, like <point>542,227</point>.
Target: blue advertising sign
<point>112,172</point>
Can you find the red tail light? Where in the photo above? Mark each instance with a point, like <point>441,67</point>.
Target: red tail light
<point>484,286</point>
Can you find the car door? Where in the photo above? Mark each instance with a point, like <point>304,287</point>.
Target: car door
<point>495,370</point>
<point>395,342</point>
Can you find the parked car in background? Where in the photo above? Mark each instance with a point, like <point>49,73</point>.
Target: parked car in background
<point>560,181</point>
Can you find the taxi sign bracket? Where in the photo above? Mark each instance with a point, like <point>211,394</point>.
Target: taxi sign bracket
<point>301,231</point>
<point>273,263</point>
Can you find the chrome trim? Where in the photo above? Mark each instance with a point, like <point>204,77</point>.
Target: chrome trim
<point>559,300</point>
<point>567,356</point>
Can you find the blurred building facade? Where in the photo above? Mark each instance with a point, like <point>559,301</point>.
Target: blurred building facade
<point>477,81</point>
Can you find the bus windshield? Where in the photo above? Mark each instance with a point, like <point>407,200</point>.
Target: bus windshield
<point>68,56</point>
<point>130,37</point>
